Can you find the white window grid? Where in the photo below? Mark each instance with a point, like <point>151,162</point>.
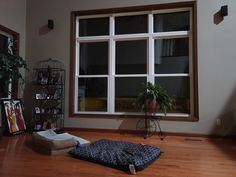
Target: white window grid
<point>150,36</point>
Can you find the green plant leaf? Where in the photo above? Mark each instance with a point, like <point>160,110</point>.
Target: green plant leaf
<point>153,92</point>
<point>9,68</point>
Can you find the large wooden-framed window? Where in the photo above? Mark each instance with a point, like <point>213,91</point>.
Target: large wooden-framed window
<point>113,51</point>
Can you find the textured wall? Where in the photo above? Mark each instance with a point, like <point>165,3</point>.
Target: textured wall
<point>13,16</point>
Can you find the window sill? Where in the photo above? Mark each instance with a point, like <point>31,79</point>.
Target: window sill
<point>121,116</point>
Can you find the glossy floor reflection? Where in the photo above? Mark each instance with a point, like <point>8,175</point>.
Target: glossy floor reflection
<point>182,157</point>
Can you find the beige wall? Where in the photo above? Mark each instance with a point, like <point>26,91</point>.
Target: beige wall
<point>13,16</point>
<point>216,56</point>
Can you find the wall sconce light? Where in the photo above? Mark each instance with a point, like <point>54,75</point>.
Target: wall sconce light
<point>50,24</point>
<point>224,11</point>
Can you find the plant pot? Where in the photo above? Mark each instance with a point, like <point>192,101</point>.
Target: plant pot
<point>153,107</point>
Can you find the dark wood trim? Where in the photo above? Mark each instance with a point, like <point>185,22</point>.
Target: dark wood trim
<point>135,8</point>
<point>72,63</point>
<point>16,39</point>
<point>9,31</point>
<point>195,63</point>
<point>74,14</point>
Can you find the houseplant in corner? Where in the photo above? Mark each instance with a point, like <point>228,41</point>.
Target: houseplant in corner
<point>153,98</point>
<point>9,70</point>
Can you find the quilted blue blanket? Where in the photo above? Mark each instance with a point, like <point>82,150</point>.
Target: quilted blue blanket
<point>118,154</point>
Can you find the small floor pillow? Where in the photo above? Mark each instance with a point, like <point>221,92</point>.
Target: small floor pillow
<point>51,143</point>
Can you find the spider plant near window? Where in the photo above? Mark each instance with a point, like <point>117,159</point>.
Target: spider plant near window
<point>154,98</point>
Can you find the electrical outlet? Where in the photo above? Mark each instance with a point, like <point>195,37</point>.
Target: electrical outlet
<point>218,121</point>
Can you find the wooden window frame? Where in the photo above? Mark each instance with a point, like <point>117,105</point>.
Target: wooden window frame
<point>190,4</point>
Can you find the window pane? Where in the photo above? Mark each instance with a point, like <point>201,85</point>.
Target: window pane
<point>131,24</point>
<point>131,57</point>
<point>126,92</point>
<point>94,26</point>
<point>171,56</point>
<point>178,21</point>
<point>93,58</point>
<point>178,88</point>
<point>92,94</point>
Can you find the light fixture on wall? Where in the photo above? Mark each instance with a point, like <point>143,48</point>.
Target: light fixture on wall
<point>224,11</point>
<point>219,16</point>
<point>50,24</point>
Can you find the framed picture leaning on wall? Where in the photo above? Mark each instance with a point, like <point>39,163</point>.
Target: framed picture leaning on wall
<point>12,117</point>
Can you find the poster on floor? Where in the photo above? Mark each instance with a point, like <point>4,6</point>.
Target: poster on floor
<point>12,117</point>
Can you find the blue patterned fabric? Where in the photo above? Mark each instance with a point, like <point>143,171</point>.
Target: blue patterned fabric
<point>118,154</point>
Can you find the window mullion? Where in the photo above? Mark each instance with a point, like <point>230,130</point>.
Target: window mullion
<point>171,35</point>
<point>76,95</point>
<point>150,55</point>
<point>77,66</point>
<point>111,80</point>
<point>77,48</point>
<point>77,56</point>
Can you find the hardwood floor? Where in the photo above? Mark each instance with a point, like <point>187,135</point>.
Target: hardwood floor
<point>182,157</point>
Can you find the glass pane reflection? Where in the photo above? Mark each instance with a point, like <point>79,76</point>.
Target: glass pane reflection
<point>131,24</point>
<point>93,58</point>
<point>178,89</point>
<point>92,93</point>
<point>178,21</point>
<point>131,57</point>
<point>171,56</point>
<point>94,26</point>
<point>126,92</point>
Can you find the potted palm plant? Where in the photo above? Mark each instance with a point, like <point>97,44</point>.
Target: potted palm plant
<point>154,98</point>
<point>9,70</point>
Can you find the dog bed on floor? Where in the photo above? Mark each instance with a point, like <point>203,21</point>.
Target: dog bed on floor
<point>51,143</point>
<point>118,154</point>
